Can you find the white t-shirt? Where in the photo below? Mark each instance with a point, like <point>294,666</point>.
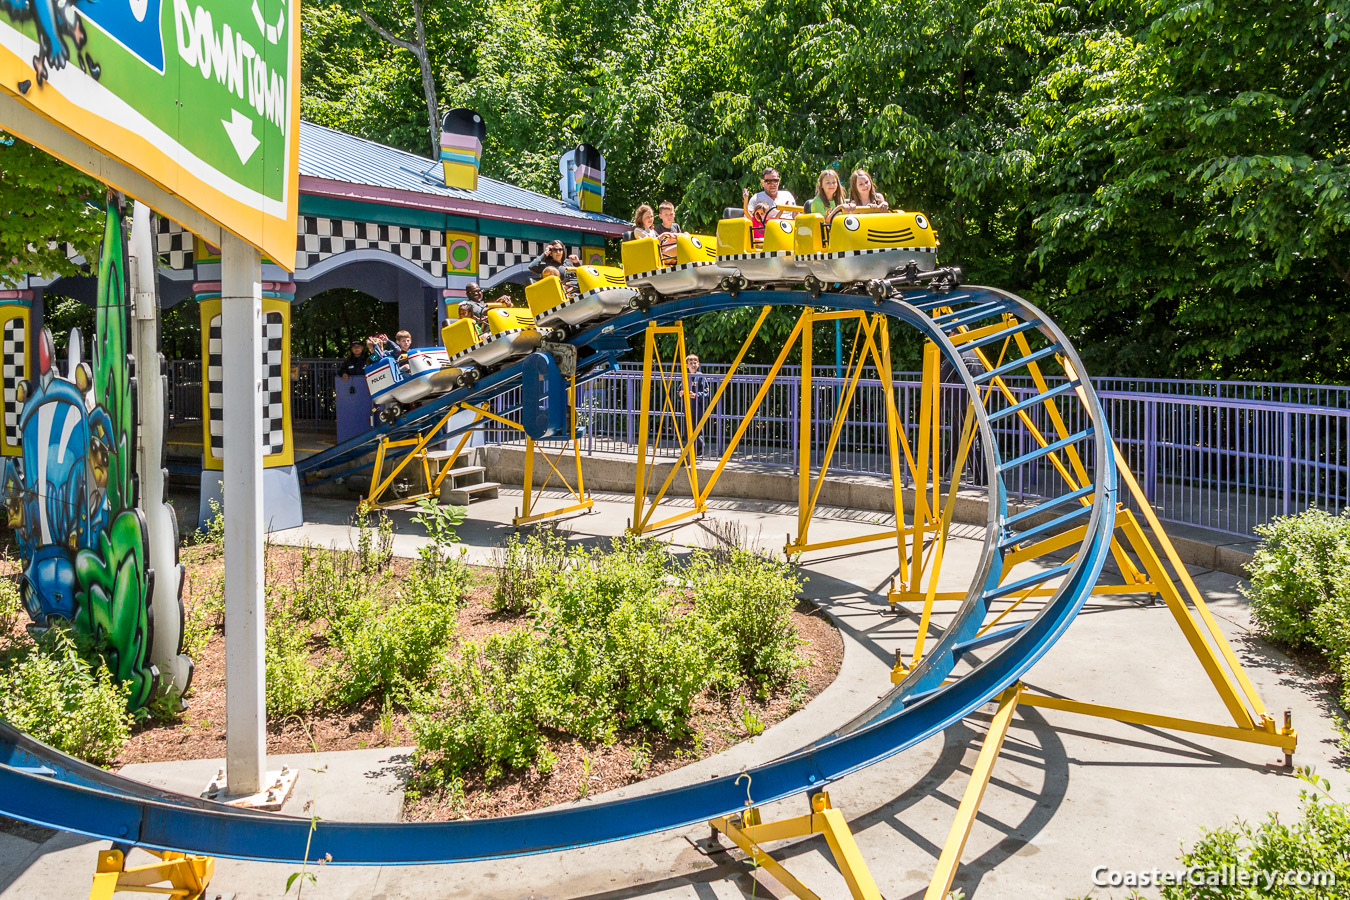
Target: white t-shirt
<point>784,197</point>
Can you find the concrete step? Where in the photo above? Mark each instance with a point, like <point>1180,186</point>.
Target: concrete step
<point>466,494</point>
<point>461,471</point>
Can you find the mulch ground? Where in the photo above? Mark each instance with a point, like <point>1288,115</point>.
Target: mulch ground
<point>581,768</point>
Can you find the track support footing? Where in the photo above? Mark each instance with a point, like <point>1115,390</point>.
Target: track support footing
<point>747,831</point>
<point>188,876</point>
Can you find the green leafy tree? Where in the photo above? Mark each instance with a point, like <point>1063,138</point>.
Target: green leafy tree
<point>1196,191</point>
<point>47,206</point>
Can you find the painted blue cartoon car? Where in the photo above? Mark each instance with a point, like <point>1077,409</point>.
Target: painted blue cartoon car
<point>54,496</point>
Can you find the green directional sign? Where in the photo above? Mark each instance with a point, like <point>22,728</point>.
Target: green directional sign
<point>199,96</point>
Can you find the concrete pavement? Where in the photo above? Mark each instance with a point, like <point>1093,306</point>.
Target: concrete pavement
<point>1068,793</point>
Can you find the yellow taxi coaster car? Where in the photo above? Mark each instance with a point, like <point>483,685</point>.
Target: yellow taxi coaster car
<point>695,268</point>
<point>862,247</point>
<point>511,333</point>
<point>771,260</point>
<point>601,291</point>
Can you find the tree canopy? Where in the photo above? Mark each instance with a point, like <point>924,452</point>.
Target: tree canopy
<point>1170,178</point>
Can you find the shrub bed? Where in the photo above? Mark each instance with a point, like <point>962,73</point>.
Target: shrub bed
<point>561,672</point>
<point>617,641</point>
<point>1300,588</point>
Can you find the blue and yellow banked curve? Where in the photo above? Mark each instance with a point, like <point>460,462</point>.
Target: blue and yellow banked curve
<point>974,328</point>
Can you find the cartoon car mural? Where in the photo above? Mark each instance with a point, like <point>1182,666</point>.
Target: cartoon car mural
<point>71,496</point>
<point>55,20</point>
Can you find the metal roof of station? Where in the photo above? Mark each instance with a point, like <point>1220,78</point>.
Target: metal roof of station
<point>374,172</point>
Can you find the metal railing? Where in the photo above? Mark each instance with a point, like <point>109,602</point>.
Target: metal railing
<point>1222,455</point>
<point>313,399</point>
<point>1225,456</point>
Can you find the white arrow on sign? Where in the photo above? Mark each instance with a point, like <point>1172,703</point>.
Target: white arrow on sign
<point>240,130</point>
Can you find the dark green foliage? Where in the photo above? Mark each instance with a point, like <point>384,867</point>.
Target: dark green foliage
<point>1300,586</point>
<point>1169,177</point>
<point>46,204</point>
<point>64,313</point>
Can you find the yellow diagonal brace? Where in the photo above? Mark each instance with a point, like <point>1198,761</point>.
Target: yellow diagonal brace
<point>970,802</point>
<point>700,502</point>
<point>1284,740</point>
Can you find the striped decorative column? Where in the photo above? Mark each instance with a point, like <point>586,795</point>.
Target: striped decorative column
<point>16,328</point>
<point>281,483</point>
<point>462,133</point>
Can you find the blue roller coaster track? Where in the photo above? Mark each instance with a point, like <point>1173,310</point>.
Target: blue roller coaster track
<point>45,787</point>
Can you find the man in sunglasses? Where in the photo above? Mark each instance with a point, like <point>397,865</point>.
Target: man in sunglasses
<point>771,196</point>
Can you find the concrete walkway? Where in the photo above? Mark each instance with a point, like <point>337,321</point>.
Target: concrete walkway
<point>1069,794</point>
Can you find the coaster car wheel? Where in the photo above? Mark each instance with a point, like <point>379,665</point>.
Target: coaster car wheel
<point>390,412</point>
<point>814,286</point>
<point>470,377</point>
<point>645,298</point>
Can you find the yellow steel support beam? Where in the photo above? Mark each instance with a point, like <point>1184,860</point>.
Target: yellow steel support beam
<point>700,502</point>
<point>922,512</point>
<point>188,876</point>
<point>895,441</point>
<point>642,522</point>
<point>748,832</point>
<point>970,802</point>
<point>888,535</point>
<point>379,482</point>
<point>1283,739</point>
<point>804,424</point>
<point>754,406</point>
<point>871,341</point>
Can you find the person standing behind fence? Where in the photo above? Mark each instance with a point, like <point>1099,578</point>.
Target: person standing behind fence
<point>354,363</point>
<point>700,392</point>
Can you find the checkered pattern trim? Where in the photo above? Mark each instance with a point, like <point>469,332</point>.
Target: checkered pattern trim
<point>845,254</point>
<point>320,237</point>
<point>173,244</point>
<point>770,254</point>
<point>664,269</point>
<point>483,342</point>
<point>496,254</point>
<point>274,383</point>
<point>215,387</point>
<point>12,364</point>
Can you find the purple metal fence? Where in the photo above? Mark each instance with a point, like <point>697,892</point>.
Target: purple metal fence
<point>1222,455</point>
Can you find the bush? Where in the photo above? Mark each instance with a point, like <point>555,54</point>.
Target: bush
<point>660,663</point>
<point>388,650</point>
<point>488,716</point>
<point>746,605</point>
<point>527,569</point>
<point>294,685</point>
<point>1300,586</point>
<point>49,690</point>
<point>1315,844</point>
<point>11,604</point>
<point>615,646</point>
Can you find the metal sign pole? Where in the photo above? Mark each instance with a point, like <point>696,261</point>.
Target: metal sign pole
<point>241,323</point>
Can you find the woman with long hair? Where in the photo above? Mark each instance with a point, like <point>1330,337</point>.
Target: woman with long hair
<point>864,193</point>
